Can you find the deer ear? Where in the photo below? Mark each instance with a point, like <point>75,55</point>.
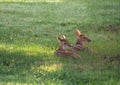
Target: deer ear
<point>63,36</point>
<point>78,32</point>
<point>58,38</point>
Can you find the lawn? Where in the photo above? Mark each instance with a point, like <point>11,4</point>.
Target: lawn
<point>28,33</point>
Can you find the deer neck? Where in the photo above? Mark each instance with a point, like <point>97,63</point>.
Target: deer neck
<point>60,47</point>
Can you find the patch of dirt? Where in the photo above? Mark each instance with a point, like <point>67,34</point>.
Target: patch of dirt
<point>112,28</point>
<point>115,60</point>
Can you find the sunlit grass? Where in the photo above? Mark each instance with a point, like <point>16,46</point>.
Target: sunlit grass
<point>50,68</point>
<point>31,0</point>
<point>28,50</point>
<point>14,83</point>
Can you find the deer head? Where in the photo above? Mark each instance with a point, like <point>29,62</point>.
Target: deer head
<point>81,38</point>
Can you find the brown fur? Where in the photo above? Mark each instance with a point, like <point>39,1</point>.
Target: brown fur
<point>80,40</point>
<point>65,48</point>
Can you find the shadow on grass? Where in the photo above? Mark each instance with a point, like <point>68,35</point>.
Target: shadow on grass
<point>19,67</point>
<point>34,64</point>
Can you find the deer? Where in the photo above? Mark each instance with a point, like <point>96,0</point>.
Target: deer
<point>65,49</point>
<point>81,39</point>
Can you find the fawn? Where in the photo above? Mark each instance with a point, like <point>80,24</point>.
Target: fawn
<point>80,40</point>
<point>65,49</point>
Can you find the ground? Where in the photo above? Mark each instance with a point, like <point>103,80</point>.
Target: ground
<point>28,40</point>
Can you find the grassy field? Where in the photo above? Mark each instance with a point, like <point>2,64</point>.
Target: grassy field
<point>27,42</point>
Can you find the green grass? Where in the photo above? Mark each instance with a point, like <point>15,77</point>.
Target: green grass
<point>27,42</point>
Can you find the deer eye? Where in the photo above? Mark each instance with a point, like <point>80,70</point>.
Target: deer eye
<point>65,43</point>
<point>84,37</point>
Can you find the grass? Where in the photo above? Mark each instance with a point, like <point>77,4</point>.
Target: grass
<point>27,42</point>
